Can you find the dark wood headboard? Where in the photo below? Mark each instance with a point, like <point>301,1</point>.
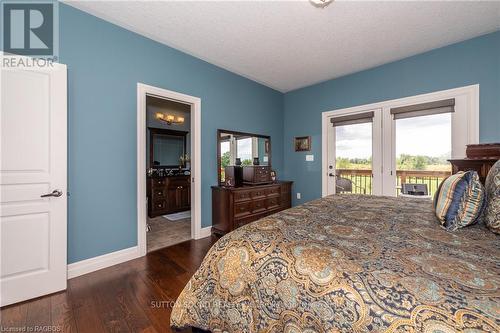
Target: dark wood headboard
<point>481,165</point>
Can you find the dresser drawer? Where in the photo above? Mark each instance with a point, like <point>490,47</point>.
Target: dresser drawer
<point>158,182</point>
<point>159,204</point>
<point>262,174</point>
<point>263,170</point>
<point>242,196</point>
<point>259,206</point>
<point>262,178</point>
<point>158,193</point>
<point>273,203</point>
<point>178,182</point>
<point>273,191</point>
<point>242,209</point>
<point>257,194</point>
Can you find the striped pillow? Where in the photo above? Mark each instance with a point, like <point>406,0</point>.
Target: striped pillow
<point>459,200</point>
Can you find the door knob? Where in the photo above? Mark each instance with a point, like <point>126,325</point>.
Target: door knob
<point>331,175</point>
<point>55,193</point>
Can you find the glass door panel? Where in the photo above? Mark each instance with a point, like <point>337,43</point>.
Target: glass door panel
<point>353,158</point>
<point>422,148</point>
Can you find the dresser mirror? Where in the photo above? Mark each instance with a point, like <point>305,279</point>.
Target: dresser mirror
<point>166,148</point>
<point>234,148</point>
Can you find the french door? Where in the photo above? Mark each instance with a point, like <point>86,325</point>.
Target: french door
<point>400,148</point>
<point>355,152</point>
<point>421,145</point>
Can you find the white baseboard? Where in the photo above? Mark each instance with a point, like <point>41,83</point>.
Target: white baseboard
<point>205,232</point>
<point>109,259</point>
<point>100,262</point>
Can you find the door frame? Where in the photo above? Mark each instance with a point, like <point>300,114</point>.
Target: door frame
<point>468,123</point>
<point>142,91</point>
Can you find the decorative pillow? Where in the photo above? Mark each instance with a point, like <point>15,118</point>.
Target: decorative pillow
<point>459,200</point>
<point>492,211</point>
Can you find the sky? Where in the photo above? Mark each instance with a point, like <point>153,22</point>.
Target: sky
<point>429,135</point>
<point>224,147</point>
<point>244,148</point>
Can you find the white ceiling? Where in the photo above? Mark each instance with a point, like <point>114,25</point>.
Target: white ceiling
<point>289,45</point>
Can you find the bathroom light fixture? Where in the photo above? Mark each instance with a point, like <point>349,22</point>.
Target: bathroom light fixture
<point>169,119</point>
<point>320,3</point>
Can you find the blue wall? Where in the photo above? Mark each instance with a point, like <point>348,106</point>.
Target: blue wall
<point>470,62</point>
<point>105,62</point>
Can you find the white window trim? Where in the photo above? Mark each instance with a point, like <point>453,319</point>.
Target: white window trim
<point>465,120</point>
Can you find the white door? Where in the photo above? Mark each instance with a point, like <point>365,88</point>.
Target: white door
<point>354,153</point>
<point>33,164</point>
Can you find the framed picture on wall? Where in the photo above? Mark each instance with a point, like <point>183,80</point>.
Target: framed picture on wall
<point>302,143</point>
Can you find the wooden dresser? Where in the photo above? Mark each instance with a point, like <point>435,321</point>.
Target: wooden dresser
<point>233,207</point>
<point>168,195</point>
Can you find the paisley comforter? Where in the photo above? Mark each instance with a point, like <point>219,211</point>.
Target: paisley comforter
<point>347,263</point>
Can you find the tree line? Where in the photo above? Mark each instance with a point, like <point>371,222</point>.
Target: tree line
<point>403,162</point>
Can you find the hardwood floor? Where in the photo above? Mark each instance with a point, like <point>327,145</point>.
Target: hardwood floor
<point>135,296</point>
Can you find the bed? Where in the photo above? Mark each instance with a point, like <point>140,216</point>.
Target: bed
<point>347,263</point>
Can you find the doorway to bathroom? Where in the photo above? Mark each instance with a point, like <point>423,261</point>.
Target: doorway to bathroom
<point>168,165</point>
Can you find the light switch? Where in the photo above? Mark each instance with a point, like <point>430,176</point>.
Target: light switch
<point>309,158</point>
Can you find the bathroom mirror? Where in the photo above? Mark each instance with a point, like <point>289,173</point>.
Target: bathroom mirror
<point>166,148</point>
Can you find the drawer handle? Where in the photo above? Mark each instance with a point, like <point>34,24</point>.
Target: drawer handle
<point>179,187</point>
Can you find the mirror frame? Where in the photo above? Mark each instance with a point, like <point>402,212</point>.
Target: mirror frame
<point>155,131</point>
<point>219,131</point>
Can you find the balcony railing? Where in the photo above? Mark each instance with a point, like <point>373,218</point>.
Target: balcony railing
<point>362,179</point>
